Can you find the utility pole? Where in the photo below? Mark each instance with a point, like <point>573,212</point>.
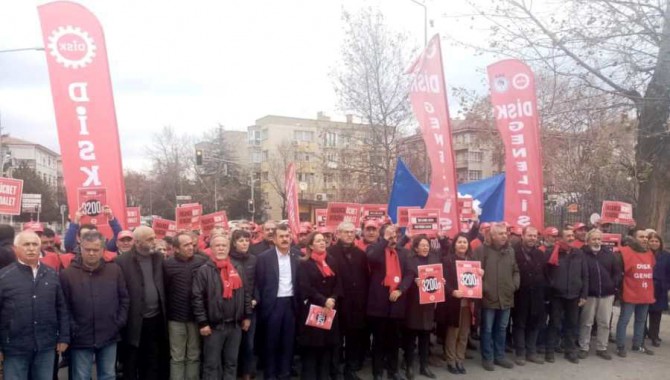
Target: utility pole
<point>425,20</point>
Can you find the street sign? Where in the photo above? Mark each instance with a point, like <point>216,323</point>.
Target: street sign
<point>31,203</point>
<point>183,197</point>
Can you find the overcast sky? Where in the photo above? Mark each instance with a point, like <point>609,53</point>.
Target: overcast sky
<point>195,64</point>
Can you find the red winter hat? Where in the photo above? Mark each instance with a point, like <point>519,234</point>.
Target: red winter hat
<point>125,234</point>
<point>577,226</point>
<point>371,223</point>
<point>485,226</point>
<point>517,231</point>
<point>305,227</point>
<point>551,231</point>
<point>33,226</point>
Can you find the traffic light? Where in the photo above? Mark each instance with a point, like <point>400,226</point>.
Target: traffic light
<point>250,203</point>
<point>198,157</point>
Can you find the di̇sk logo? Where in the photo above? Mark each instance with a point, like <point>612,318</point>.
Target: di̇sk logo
<point>71,47</point>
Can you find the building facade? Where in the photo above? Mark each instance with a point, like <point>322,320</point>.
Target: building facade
<point>46,163</point>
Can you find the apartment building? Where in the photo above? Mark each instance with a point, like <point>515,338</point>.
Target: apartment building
<point>16,152</point>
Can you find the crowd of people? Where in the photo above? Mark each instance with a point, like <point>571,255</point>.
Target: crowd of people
<point>234,303</point>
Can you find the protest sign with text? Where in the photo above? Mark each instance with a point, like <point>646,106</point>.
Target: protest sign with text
<point>373,211</point>
<point>423,221</point>
<point>320,215</point>
<point>91,204</point>
<point>133,217</point>
<point>214,220</point>
<point>617,213</point>
<point>469,280</point>
<point>403,218</point>
<point>339,212</point>
<point>431,283</point>
<point>10,196</point>
<point>188,217</point>
<point>164,227</point>
<point>320,317</point>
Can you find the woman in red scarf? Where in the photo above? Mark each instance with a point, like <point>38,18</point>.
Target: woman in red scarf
<point>222,308</point>
<point>321,286</point>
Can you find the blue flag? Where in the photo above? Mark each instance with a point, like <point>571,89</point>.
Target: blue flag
<point>488,194</point>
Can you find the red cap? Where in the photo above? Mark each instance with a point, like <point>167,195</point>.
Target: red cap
<point>305,227</point>
<point>33,226</point>
<point>517,231</point>
<point>551,231</point>
<point>124,234</point>
<point>371,223</point>
<point>324,230</point>
<point>485,226</point>
<point>577,226</point>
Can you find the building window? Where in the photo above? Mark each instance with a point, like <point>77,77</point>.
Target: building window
<point>254,137</point>
<point>474,175</point>
<point>301,156</point>
<point>265,176</point>
<point>331,139</point>
<point>256,157</point>
<point>466,137</point>
<point>327,178</point>
<point>265,156</point>
<point>475,156</point>
<point>303,135</point>
<point>264,134</point>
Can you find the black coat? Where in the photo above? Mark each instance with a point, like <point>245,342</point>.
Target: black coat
<point>248,262</point>
<point>449,311</point>
<point>315,289</point>
<point>33,313</point>
<point>98,302</point>
<point>661,281</point>
<point>605,274</point>
<point>132,273</point>
<point>260,247</point>
<point>379,304</point>
<point>209,306</point>
<point>353,264</point>
<point>417,316</point>
<point>7,255</point>
<point>267,281</point>
<point>532,288</point>
<point>178,278</point>
<point>570,278</point>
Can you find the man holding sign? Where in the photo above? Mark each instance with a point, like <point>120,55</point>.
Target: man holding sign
<point>75,230</point>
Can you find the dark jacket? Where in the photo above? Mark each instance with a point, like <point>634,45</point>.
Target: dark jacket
<point>178,278</point>
<point>7,255</point>
<point>379,304</point>
<point>248,262</point>
<point>533,281</point>
<point>267,281</point>
<point>661,281</point>
<point>417,316</point>
<point>98,302</point>
<point>501,276</point>
<point>209,306</point>
<point>260,247</point>
<point>70,239</point>
<point>570,279</point>
<point>132,273</point>
<point>33,313</point>
<point>604,272</point>
<point>450,310</point>
<point>315,289</point>
<point>354,274</point>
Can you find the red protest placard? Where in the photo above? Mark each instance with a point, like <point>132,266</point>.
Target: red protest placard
<point>320,215</point>
<point>339,212</point>
<point>164,227</point>
<point>133,217</point>
<point>469,280</point>
<point>612,240</point>
<point>214,220</point>
<point>320,317</point>
<point>402,216</point>
<point>11,191</point>
<point>466,208</point>
<point>91,203</point>
<point>188,217</point>
<point>423,221</point>
<point>617,212</point>
<point>373,211</point>
<point>431,279</point>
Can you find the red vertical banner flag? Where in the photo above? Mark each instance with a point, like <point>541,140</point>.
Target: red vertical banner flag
<point>82,94</point>
<point>133,217</point>
<point>512,87</point>
<point>292,208</point>
<point>428,95</point>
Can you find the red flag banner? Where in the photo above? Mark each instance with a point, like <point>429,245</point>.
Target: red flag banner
<point>91,204</point>
<point>320,317</point>
<point>423,221</point>
<point>617,213</point>
<point>320,215</point>
<point>164,227</point>
<point>84,105</point>
<point>214,220</point>
<point>428,95</point>
<point>431,279</point>
<point>133,217</point>
<point>466,207</point>
<point>339,212</point>
<point>469,280</point>
<point>292,207</point>
<point>11,191</point>
<point>188,217</point>
<point>612,240</point>
<point>403,217</point>
<point>373,211</point>
<point>512,87</point>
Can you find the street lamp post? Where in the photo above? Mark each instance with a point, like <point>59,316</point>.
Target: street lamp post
<point>425,19</point>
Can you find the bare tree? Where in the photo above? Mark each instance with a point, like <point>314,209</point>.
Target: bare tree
<point>370,82</point>
<point>621,50</point>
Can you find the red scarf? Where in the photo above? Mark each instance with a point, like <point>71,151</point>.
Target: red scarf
<point>393,272</point>
<point>230,279</point>
<point>320,260</point>
<point>560,245</point>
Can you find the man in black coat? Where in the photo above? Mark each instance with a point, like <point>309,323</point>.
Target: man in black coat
<point>529,299</point>
<point>386,301</point>
<point>277,290</point>
<point>352,309</point>
<point>34,319</point>
<point>269,228</point>
<point>183,332</point>
<point>7,255</point>
<point>144,339</point>
<point>98,300</point>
